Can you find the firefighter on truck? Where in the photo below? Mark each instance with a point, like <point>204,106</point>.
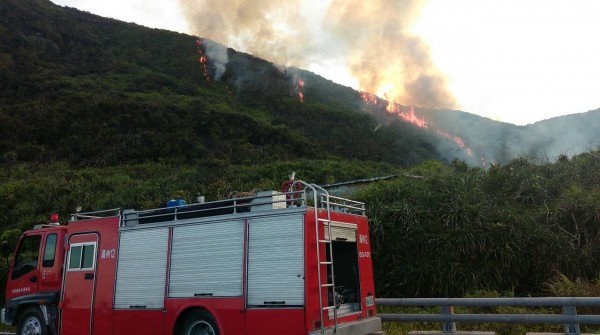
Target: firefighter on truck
<point>295,261</point>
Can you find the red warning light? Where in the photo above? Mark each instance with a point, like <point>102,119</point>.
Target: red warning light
<point>54,218</point>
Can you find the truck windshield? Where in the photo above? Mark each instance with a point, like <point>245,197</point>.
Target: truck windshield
<point>26,259</point>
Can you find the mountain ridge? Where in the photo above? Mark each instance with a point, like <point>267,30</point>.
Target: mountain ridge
<point>68,75</point>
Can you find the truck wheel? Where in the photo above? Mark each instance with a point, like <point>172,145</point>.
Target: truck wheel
<point>32,323</point>
<point>199,322</point>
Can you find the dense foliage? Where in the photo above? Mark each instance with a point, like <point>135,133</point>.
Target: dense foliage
<point>511,228</point>
<point>29,193</point>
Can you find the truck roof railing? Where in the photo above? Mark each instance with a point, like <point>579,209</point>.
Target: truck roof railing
<point>95,214</point>
<point>338,204</point>
<point>333,203</point>
<point>299,196</point>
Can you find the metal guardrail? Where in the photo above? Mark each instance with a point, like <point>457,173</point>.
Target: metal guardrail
<point>569,317</point>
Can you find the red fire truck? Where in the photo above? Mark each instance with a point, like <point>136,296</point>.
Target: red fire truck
<point>291,262</point>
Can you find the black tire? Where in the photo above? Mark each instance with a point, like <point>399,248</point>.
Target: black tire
<point>32,323</point>
<point>199,322</point>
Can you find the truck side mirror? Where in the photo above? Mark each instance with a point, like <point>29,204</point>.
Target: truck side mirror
<point>5,249</point>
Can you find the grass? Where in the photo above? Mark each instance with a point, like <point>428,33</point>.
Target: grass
<point>7,329</point>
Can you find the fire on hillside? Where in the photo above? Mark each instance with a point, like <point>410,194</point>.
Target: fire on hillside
<point>408,114</point>
<point>214,56</point>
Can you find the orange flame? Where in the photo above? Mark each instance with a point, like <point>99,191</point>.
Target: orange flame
<point>368,98</point>
<point>457,139</point>
<point>411,117</point>
<point>203,59</point>
<point>300,90</point>
<point>408,116</point>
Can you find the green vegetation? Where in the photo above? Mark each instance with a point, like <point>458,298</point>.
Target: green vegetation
<point>510,228</point>
<point>29,193</point>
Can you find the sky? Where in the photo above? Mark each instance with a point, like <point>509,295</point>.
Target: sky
<point>511,61</point>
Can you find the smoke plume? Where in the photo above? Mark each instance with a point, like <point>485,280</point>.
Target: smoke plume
<point>371,38</point>
<point>217,53</point>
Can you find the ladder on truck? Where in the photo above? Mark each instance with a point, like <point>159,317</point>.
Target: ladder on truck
<point>325,283</point>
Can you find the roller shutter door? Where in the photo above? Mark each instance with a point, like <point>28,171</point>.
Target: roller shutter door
<point>207,260</point>
<point>141,270</point>
<point>342,232</point>
<point>276,261</point>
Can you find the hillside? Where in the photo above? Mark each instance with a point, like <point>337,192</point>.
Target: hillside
<point>93,91</point>
<point>500,142</point>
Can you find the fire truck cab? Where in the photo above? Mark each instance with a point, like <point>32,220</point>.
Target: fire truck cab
<point>294,262</point>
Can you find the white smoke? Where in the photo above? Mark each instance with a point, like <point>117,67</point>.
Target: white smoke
<point>371,39</point>
<point>217,54</point>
